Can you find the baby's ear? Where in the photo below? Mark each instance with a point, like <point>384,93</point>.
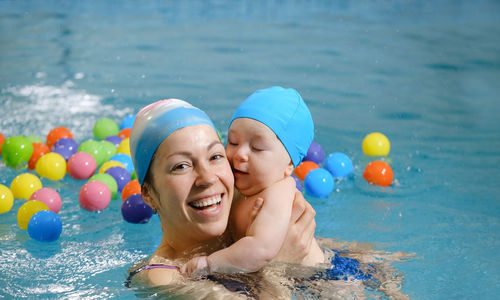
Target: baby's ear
<point>289,169</point>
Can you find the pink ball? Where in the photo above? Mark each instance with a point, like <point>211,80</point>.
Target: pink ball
<point>81,165</point>
<point>94,195</point>
<point>49,197</point>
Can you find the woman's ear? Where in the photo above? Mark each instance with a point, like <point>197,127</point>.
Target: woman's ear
<point>289,169</point>
<point>146,192</point>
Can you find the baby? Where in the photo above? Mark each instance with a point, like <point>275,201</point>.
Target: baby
<point>268,136</point>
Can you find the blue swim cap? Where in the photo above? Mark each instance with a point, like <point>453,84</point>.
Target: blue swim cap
<point>154,123</point>
<point>285,113</point>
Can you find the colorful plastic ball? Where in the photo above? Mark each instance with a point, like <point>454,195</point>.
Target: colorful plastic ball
<point>315,153</point>
<point>108,149</point>
<point>379,173</point>
<point>39,149</point>
<point>319,183</point>
<point>81,165</point>
<point>131,188</point>
<point>16,150</point>
<point>52,166</point>
<point>135,210</point>
<point>34,139</point>
<point>93,148</point>
<point>105,127</point>
<point>124,147</point>
<point>121,176</point>
<point>108,180</point>
<point>48,196</point>
<point>125,133</point>
<point>94,195</point>
<point>114,139</point>
<point>303,168</point>
<point>65,147</point>
<point>6,199</point>
<point>23,185</point>
<point>109,164</point>
<point>45,226</point>
<point>298,184</point>
<point>2,139</point>
<point>127,122</point>
<point>56,134</point>
<point>338,164</point>
<point>125,160</point>
<point>133,176</point>
<point>376,144</point>
<point>27,210</point>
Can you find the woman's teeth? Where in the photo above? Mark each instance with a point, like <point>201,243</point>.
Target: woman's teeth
<point>206,202</point>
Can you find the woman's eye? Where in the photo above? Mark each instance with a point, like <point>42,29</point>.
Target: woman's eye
<point>180,167</point>
<point>217,156</point>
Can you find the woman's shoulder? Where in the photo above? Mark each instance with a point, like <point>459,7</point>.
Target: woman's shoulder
<point>154,273</point>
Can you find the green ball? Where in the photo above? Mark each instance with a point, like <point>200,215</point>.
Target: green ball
<point>108,149</point>
<point>105,127</point>
<point>133,176</point>
<point>93,148</point>
<point>34,139</point>
<point>16,150</point>
<point>107,180</point>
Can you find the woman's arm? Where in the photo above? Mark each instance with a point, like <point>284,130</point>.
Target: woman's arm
<point>300,233</point>
<point>264,236</point>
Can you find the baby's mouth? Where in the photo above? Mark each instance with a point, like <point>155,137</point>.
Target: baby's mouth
<point>206,203</point>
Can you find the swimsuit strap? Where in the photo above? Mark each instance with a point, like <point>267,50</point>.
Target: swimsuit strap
<point>148,267</point>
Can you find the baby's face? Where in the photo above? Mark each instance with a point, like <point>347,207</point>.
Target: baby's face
<point>257,156</point>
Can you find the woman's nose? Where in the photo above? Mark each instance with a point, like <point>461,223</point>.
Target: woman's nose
<point>206,176</point>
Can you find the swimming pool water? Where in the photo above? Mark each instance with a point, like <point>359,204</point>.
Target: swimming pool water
<point>424,73</point>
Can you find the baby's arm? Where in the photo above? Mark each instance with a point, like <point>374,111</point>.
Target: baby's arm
<point>264,236</point>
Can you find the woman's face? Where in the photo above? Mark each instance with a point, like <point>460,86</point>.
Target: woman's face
<point>193,184</point>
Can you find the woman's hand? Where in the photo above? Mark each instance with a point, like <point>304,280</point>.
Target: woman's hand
<point>196,266</point>
<point>300,232</point>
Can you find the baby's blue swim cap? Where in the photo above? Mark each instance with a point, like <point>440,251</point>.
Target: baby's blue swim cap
<point>285,113</point>
<point>154,123</point>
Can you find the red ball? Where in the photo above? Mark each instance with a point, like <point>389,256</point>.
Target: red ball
<point>56,134</point>
<point>303,168</point>
<point>379,173</point>
<point>39,149</point>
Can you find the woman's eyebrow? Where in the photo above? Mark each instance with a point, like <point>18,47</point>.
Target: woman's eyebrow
<point>188,153</point>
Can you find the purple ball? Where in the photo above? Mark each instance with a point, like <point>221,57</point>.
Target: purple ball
<point>114,139</point>
<point>315,153</point>
<point>121,176</point>
<point>65,147</point>
<point>298,184</point>
<point>135,210</point>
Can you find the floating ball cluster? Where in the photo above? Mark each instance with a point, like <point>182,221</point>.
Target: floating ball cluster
<point>104,162</point>
<point>318,173</point>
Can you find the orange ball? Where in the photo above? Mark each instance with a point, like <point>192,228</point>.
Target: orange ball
<point>56,134</point>
<point>124,133</point>
<point>131,188</point>
<point>304,167</point>
<point>2,139</point>
<point>39,149</point>
<point>379,173</point>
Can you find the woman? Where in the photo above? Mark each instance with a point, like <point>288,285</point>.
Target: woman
<point>185,177</point>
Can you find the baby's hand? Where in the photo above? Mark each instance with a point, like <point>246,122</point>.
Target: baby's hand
<point>197,266</point>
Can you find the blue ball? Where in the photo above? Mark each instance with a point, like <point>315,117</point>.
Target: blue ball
<point>298,184</point>
<point>45,226</point>
<point>121,176</point>
<point>319,183</point>
<point>338,164</point>
<point>65,147</point>
<point>315,153</point>
<point>114,139</point>
<point>127,122</point>
<point>135,210</point>
<point>125,160</point>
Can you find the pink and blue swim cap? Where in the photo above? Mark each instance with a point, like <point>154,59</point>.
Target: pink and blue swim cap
<point>286,114</point>
<point>154,123</point>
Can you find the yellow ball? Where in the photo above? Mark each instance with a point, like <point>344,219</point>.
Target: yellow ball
<point>27,210</point>
<point>24,185</point>
<point>124,147</point>
<point>376,144</point>
<point>52,166</point>
<point>6,199</point>
<point>110,164</point>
